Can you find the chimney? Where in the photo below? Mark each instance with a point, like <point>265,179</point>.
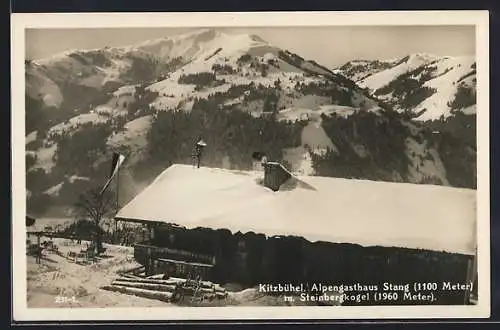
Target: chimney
<point>275,175</point>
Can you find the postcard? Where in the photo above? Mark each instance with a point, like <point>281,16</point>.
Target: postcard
<point>250,166</point>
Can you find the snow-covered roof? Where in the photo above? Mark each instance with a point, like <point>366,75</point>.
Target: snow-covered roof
<point>368,213</point>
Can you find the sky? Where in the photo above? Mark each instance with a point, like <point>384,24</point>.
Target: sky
<point>329,46</point>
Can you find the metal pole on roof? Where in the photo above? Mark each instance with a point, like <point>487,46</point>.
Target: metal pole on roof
<point>199,145</point>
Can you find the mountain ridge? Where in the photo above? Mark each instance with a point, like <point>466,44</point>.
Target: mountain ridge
<point>439,85</point>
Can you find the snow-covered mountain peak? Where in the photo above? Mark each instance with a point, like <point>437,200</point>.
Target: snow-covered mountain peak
<point>422,57</point>
<point>198,43</point>
<point>55,58</point>
<point>196,37</point>
<point>203,34</point>
<point>187,46</point>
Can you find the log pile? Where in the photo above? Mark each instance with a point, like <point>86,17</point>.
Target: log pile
<point>150,294</point>
<point>173,289</point>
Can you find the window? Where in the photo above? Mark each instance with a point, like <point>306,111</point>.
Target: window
<point>181,268</point>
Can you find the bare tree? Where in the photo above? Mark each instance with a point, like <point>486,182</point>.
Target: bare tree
<point>95,206</point>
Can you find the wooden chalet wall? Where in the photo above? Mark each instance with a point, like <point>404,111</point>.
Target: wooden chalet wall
<point>250,259</point>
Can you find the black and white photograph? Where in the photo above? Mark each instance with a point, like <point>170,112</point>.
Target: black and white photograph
<point>320,167</point>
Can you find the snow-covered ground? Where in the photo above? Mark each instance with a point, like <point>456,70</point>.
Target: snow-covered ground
<point>314,136</point>
<point>57,278</point>
<point>45,157</point>
<point>58,282</point>
<point>31,137</point>
<point>311,107</point>
<point>54,190</point>
<point>74,178</point>
<point>128,90</point>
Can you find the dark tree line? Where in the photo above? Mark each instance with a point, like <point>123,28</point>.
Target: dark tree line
<point>35,116</point>
<point>337,94</point>
<point>455,138</point>
<point>223,69</point>
<point>459,160</point>
<point>244,58</point>
<point>83,147</point>
<point>464,97</point>
<point>97,57</point>
<point>80,153</point>
<point>382,140</point>
<point>228,133</point>
<point>198,79</point>
<point>146,68</point>
<point>352,69</point>
<point>408,90</point>
<point>141,103</point>
<point>291,58</point>
<point>373,147</point>
<point>38,202</point>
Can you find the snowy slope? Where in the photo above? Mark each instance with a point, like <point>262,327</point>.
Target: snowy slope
<point>359,69</point>
<point>63,78</point>
<point>221,49</point>
<point>448,70</point>
<point>45,157</point>
<point>73,123</point>
<point>227,49</point>
<point>407,64</point>
<point>134,133</point>
<point>39,85</point>
<point>433,83</point>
